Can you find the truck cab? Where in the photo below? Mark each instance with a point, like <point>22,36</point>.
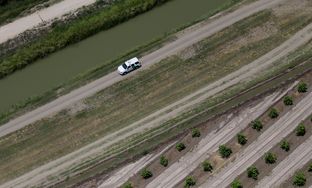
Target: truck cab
<point>129,66</point>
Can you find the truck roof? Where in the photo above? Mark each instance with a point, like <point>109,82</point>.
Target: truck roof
<point>132,61</point>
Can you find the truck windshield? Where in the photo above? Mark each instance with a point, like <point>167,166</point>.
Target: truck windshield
<point>124,66</point>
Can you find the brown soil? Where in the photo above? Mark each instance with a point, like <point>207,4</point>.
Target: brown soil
<point>294,140</point>
<point>264,168</point>
<point>218,163</point>
<point>308,175</point>
<point>173,155</point>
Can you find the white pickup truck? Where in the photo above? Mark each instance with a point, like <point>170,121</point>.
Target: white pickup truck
<point>129,66</point>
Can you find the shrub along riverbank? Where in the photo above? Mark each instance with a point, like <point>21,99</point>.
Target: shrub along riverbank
<point>64,35</point>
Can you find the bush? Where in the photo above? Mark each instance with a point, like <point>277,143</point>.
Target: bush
<point>180,147</point>
<point>299,179</point>
<point>224,151</point>
<point>300,130</point>
<point>236,184</point>
<point>146,173</point>
<point>195,133</point>
<point>189,182</point>
<point>270,158</point>
<point>257,124</point>
<point>273,113</point>
<point>302,87</point>
<point>252,172</point>
<point>207,167</point>
<point>128,185</point>
<point>164,161</point>
<point>288,100</point>
<point>241,139</point>
<point>285,145</point>
<point>310,168</point>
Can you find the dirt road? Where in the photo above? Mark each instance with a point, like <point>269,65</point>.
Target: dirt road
<point>272,136</point>
<point>295,161</point>
<point>57,10</point>
<point>170,49</point>
<point>208,145</point>
<point>154,120</point>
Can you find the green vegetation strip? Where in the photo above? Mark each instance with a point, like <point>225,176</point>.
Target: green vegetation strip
<point>64,35</point>
<point>132,99</point>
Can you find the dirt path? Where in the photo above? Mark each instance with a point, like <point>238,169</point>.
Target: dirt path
<point>272,136</point>
<point>57,10</point>
<point>122,175</point>
<point>154,120</point>
<point>179,170</point>
<point>168,50</point>
<point>295,161</point>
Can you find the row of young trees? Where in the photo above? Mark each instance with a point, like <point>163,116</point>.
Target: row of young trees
<point>225,151</point>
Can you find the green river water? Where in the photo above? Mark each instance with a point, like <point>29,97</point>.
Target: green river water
<point>61,66</point>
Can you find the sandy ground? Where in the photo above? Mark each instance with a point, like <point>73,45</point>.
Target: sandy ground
<point>57,10</point>
<point>148,60</point>
<point>296,160</point>
<point>208,145</point>
<point>272,136</point>
<point>62,164</point>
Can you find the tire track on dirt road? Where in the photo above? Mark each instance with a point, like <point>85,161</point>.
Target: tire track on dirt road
<point>272,136</point>
<point>208,145</point>
<point>283,171</point>
<point>92,88</point>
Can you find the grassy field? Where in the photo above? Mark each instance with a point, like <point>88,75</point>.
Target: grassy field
<point>138,96</point>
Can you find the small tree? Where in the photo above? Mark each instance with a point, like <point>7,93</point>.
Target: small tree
<point>302,87</point>
<point>299,179</point>
<point>241,139</point>
<point>310,168</point>
<point>128,185</point>
<point>180,147</point>
<point>300,130</point>
<point>273,113</point>
<point>236,184</point>
<point>207,167</point>
<point>288,100</point>
<point>164,161</point>
<point>146,173</point>
<point>252,172</point>
<point>285,145</point>
<point>189,182</point>
<point>257,125</point>
<point>195,133</point>
<point>270,158</point>
<point>224,151</point>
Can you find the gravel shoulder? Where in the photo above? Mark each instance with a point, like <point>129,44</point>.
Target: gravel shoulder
<point>272,136</point>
